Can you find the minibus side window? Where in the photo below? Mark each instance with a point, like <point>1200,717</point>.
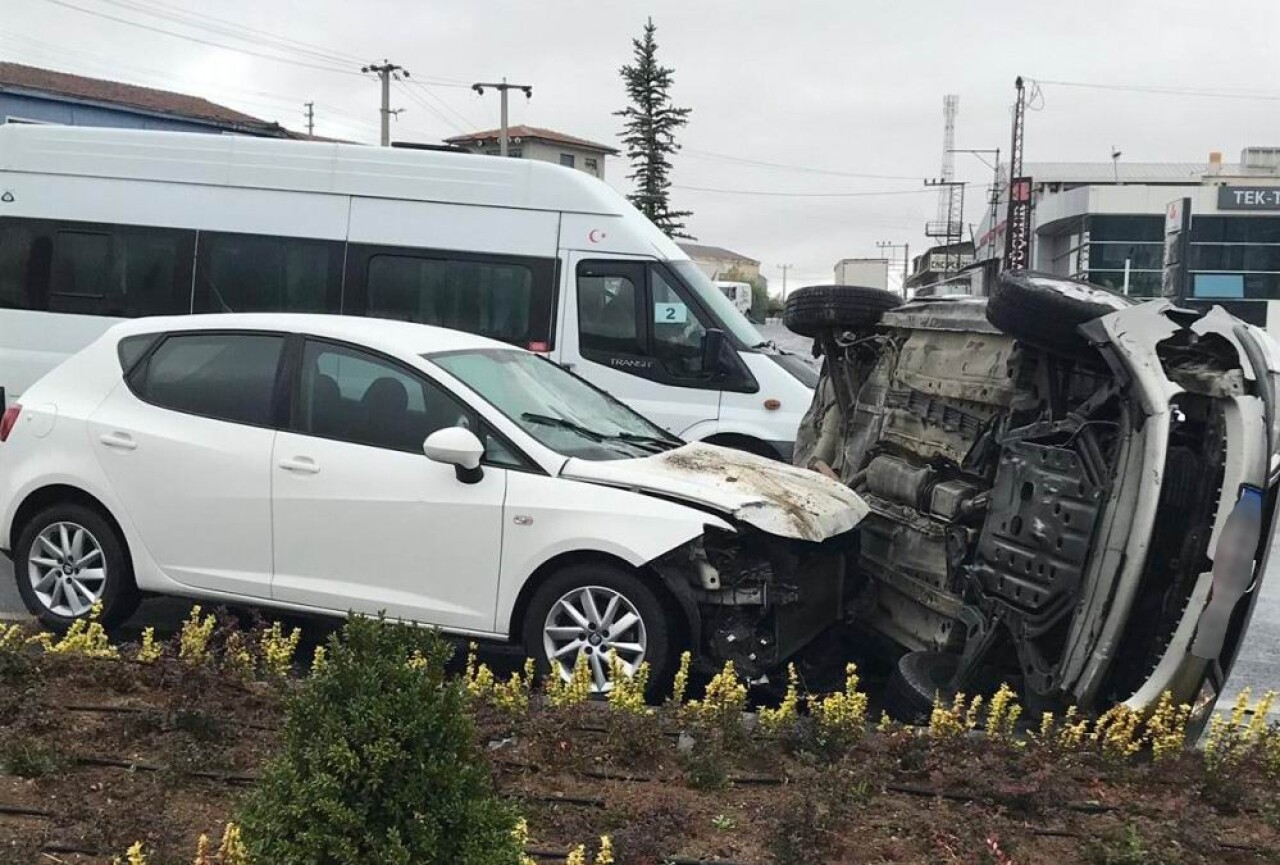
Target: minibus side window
<point>607,314</point>
<point>507,298</point>
<point>92,269</point>
<point>258,273</point>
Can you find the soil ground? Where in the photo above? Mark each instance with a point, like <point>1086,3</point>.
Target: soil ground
<point>97,754</point>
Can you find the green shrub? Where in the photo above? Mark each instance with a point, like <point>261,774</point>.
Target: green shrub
<point>379,763</point>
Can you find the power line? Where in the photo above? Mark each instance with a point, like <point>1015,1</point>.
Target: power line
<point>466,121</point>
<point>439,115</point>
<point>339,60</point>
<point>224,27</point>
<point>801,168</point>
<point>1205,93</point>
<point>805,194</point>
<point>201,41</point>
<point>85,62</point>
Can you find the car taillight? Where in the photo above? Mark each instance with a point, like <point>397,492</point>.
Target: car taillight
<point>9,420</point>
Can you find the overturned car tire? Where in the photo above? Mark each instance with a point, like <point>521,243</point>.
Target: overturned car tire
<point>836,307</point>
<point>1046,311</point>
<point>918,679</point>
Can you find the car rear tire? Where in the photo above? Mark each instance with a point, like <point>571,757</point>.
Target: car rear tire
<point>1046,311</point>
<point>810,310</point>
<point>596,607</point>
<point>918,679</point>
<point>68,558</point>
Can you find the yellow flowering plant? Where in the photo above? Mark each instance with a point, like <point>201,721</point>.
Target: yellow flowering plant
<point>775,722</point>
<point>150,650</point>
<point>193,641</point>
<point>278,649</point>
<point>86,637</point>
<point>842,717</point>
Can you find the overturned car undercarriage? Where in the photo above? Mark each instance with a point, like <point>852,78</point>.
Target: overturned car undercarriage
<point>1045,496</point>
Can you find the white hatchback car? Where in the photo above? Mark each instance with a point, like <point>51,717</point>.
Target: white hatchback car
<point>278,460</point>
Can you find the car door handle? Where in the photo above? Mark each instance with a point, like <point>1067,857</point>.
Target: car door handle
<point>301,465</point>
<point>119,441</point>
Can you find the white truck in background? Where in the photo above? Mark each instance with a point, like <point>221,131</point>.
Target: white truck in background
<point>738,292</point>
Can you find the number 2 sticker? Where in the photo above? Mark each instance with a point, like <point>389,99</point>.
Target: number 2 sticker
<point>670,313</point>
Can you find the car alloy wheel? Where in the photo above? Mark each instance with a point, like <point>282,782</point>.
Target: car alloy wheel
<point>594,621</point>
<point>67,569</point>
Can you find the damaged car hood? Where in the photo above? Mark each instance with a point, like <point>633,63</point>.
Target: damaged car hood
<point>769,495</point>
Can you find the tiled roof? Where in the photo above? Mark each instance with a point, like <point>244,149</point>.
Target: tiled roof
<point>698,250</point>
<point>16,77</point>
<point>537,132</point>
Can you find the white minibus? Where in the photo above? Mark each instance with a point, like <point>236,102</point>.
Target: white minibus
<point>98,225</point>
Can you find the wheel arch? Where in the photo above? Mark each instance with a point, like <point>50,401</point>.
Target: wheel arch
<point>680,615</point>
<point>52,494</point>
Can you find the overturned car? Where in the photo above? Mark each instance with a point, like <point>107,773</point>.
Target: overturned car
<point>1067,490</point>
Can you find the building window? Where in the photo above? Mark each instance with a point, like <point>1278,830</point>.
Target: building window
<point>1142,283</point>
<point>1141,256</point>
<point>591,164</point>
<point>567,160</point>
<point>1128,229</point>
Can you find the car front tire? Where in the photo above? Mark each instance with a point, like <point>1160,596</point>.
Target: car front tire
<point>68,559</point>
<point>592,608</point>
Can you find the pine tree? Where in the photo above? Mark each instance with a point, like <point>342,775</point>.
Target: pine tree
<point>649,134</point>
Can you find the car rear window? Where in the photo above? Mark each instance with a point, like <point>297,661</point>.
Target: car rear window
<point>226,376</point>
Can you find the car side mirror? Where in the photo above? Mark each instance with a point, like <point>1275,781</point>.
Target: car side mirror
<point>458,447</point>
<point>713,351</point>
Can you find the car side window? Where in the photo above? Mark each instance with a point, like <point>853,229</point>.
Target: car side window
<point>677,333</point>
<point>354,396</point>
<point>225,376</point>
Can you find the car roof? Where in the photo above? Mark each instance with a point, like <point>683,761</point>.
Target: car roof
<point>379,333</point>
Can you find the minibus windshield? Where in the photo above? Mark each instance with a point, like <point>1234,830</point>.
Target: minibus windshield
<point>727,316</point>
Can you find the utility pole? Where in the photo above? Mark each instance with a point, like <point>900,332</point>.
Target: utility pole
<point>1017,223</point>
<point>387,71</point>
<point>906,260</point>
<point>502,87</point>
<point>310,114</point>
<point>994,200</point>
<point>784,268</point>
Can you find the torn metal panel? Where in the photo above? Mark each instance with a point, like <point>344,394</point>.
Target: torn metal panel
<point>959,314</point>
<point>768,495</point>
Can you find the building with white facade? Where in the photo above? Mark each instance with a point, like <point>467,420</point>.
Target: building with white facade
<point>1105,222</point>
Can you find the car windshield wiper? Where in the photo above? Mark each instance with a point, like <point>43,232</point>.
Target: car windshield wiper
<point>656,441</point>
<point>564,423</point>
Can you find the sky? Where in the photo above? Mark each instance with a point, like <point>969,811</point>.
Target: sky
<point>813,125</point>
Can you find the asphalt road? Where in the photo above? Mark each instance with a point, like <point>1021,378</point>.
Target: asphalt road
<point>1258,667</point>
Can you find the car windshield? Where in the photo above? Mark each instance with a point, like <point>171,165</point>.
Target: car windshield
<point>556,407</point>
<point>727,315</point>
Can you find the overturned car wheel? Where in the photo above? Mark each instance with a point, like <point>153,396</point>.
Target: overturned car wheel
<point>1046,311</point>
<point>836,307</point>
<point>918,680</point>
